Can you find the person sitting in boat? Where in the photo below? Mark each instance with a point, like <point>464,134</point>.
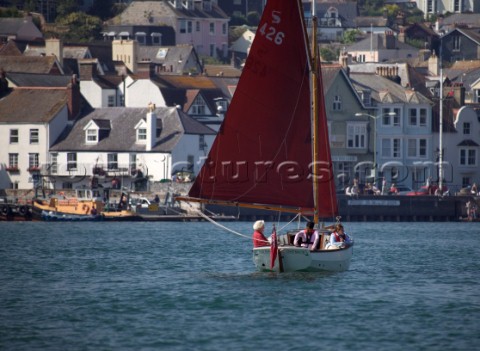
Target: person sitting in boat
<point>93,211</point>
<point>258,238</point>
<point>338,238</point>
<point>308,237</point>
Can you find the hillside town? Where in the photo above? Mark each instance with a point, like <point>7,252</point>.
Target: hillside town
<point>141,106</point>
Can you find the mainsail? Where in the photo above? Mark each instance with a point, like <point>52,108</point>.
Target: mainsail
<point>263,153</point>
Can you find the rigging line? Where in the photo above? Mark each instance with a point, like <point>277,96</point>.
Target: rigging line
<point>200,213</point>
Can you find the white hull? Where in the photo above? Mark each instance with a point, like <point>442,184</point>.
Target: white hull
<point>299,259</point>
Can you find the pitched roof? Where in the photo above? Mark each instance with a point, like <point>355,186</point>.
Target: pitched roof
<point>122,135</point>
<point>347,11</point>
<point>154,12</point>
<point>378,43</point>
<point>32,105</point>
<point>28,64</point>
<point>384,90</point>
<point>10,49</point>
<point>38,80</point>
<point>471,19</point>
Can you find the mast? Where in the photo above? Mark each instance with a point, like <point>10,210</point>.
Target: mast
<point>315,115</point>
<point>440,144</point>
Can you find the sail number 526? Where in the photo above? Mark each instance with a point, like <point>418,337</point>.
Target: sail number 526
<point>271,34</point>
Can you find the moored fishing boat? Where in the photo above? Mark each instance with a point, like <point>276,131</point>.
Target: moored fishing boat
<point>272,151</point>
<point>83,206</point>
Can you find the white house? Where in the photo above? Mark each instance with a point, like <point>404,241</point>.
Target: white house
<point>31,120</point>
<point>461,154</point>
<point>128,148</point>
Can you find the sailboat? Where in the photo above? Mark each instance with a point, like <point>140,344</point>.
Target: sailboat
<point>272,151</point>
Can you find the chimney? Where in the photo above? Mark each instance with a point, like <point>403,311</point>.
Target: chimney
<point>73,98</point>
<point>126,51</point>
<point>145,69</point>
<point>459,93</point>
<point>433,65</point>
<point>151,127</point>
<point>401,35</point>
<point>389,40</point>
<point>88,69</point>
<point>54,47</point>
<point>345,59</point>
<point>424,55</point>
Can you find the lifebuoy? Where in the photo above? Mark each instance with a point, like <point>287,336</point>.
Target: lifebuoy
<point>4,210</point>
<point>22,210</point>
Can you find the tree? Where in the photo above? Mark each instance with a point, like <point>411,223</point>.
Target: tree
<point>81,27</point>
<point>66,7</point>
<point>253,18</point>
<point>350,36</point>
<point>328,54</point>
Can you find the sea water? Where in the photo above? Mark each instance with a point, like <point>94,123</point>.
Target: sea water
<point>193,286</point>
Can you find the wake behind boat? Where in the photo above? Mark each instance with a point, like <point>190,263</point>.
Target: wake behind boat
<point>272,151</point>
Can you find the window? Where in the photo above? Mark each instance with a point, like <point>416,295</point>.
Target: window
<point>465,182</point>
<point>133,162</point>
<point>183,26</point>
<point>189,26</point>
<point>111,100</point>
<point>112,161</point>
<point>366,97</point>
<point>391,148</point>
<point>67,185</point>
<point>71,161</point>
<point>417,148</point>
<point>337,103</point>
<point>202,145</point>
<point>197,26</point>
<point>356,135</point>
<point>212,28</point>
<point>423,117</point>
<point>391,120</point>
<point>456,6</point>
<point>54,163</point>
<point>141,134</point>
<point>13,136</point>
<point>33,136</point>
<point>429,6</point>
<point>476,93</point>
<point>92,136</point>
<point>198,106</point>
<point>456,43</point>
<point>468,157</point>
<point>412,116</point>
<point>212,50</point>
<point>417,117</point>
<point>33,161</point>
<point>224,28</point>
<point>12,162</point>
<point>466,128</point>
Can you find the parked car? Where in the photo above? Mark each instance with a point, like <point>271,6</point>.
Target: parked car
<point>425,190</point>
<point>403,190</point>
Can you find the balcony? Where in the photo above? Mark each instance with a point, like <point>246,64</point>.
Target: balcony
<point>33,169</point>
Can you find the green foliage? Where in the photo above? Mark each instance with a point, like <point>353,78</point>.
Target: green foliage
<point>350,36</point>
<point>81,27</point>
<point>238,20</point>
<point>236,32</point>
<point>10,12</point>
<point>328,55</point>
<point>208,60</point>
<point>253,18</point>
<point>104,9</point>
<point>65,7</point>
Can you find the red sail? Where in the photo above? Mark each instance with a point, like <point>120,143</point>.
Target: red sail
<point>263,151</point>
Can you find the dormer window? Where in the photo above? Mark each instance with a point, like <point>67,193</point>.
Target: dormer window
<point>92,136</point>
<point>141,135</point>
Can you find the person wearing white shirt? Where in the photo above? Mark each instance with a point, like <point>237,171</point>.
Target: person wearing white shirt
<point>338,239</point>
<point>308,237</point>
